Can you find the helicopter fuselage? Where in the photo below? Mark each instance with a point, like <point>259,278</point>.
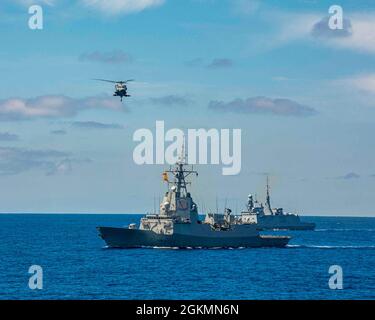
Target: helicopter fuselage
<point>121,90</point>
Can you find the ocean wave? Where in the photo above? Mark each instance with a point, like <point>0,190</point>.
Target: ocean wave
<point>345,230</point>
<point>328,247</point>
<point>184,248</point>
<point>177,248</point>
<point>198,248</point>
<point>170,248</point>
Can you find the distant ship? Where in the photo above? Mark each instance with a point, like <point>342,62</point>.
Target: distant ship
<point>274,219</point>
<point>177,223</point>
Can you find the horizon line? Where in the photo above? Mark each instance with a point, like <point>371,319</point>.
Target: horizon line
<point>118,213</point>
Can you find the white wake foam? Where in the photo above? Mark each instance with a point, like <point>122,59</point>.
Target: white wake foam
<point>328,247</point>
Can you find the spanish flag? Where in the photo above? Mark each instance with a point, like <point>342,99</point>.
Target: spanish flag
<point>165,176</point>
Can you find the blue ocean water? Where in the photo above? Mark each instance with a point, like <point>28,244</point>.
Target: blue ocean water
<point>77,266</point>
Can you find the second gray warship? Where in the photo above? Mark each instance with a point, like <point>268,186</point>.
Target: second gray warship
<point>274,219</point>
<point>177,223</point>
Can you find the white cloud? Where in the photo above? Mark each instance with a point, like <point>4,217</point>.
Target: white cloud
<point>246,7</point>
<point>297,26</point>
<point>18,160</point>
<point>283,27</point>
<point>358,36</point>
<point>363,34</point>
<point>96,125</point>
<point>293,26</point>
<point>172,100</point>
<point>110,57</point>
<point>321,29</point>
<point>110,7</point>
<point>364,83</point>
<point>53,106</point>
<point>263,105</point>
<point>32,2</point>
<point>122,6</point>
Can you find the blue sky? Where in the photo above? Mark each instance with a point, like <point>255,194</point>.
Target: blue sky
<point>66,143</point>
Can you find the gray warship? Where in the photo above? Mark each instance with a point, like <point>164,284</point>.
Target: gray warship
<point>274,219</point>
<point>177,223</point>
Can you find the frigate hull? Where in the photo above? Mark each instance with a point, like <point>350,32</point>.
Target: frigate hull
<point>283,222</point>
<point>135,238</point>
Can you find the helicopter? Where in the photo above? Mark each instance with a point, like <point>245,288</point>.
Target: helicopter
<point>120,87</point>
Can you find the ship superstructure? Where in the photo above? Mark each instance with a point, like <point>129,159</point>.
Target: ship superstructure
<point>274,218</point>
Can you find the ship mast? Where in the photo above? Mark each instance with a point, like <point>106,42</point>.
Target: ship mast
<point>180,173</point>
<point>268,199</point>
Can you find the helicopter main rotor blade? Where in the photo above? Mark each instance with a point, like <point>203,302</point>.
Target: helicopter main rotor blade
<point>129,80</point>
<point>107,80</point>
